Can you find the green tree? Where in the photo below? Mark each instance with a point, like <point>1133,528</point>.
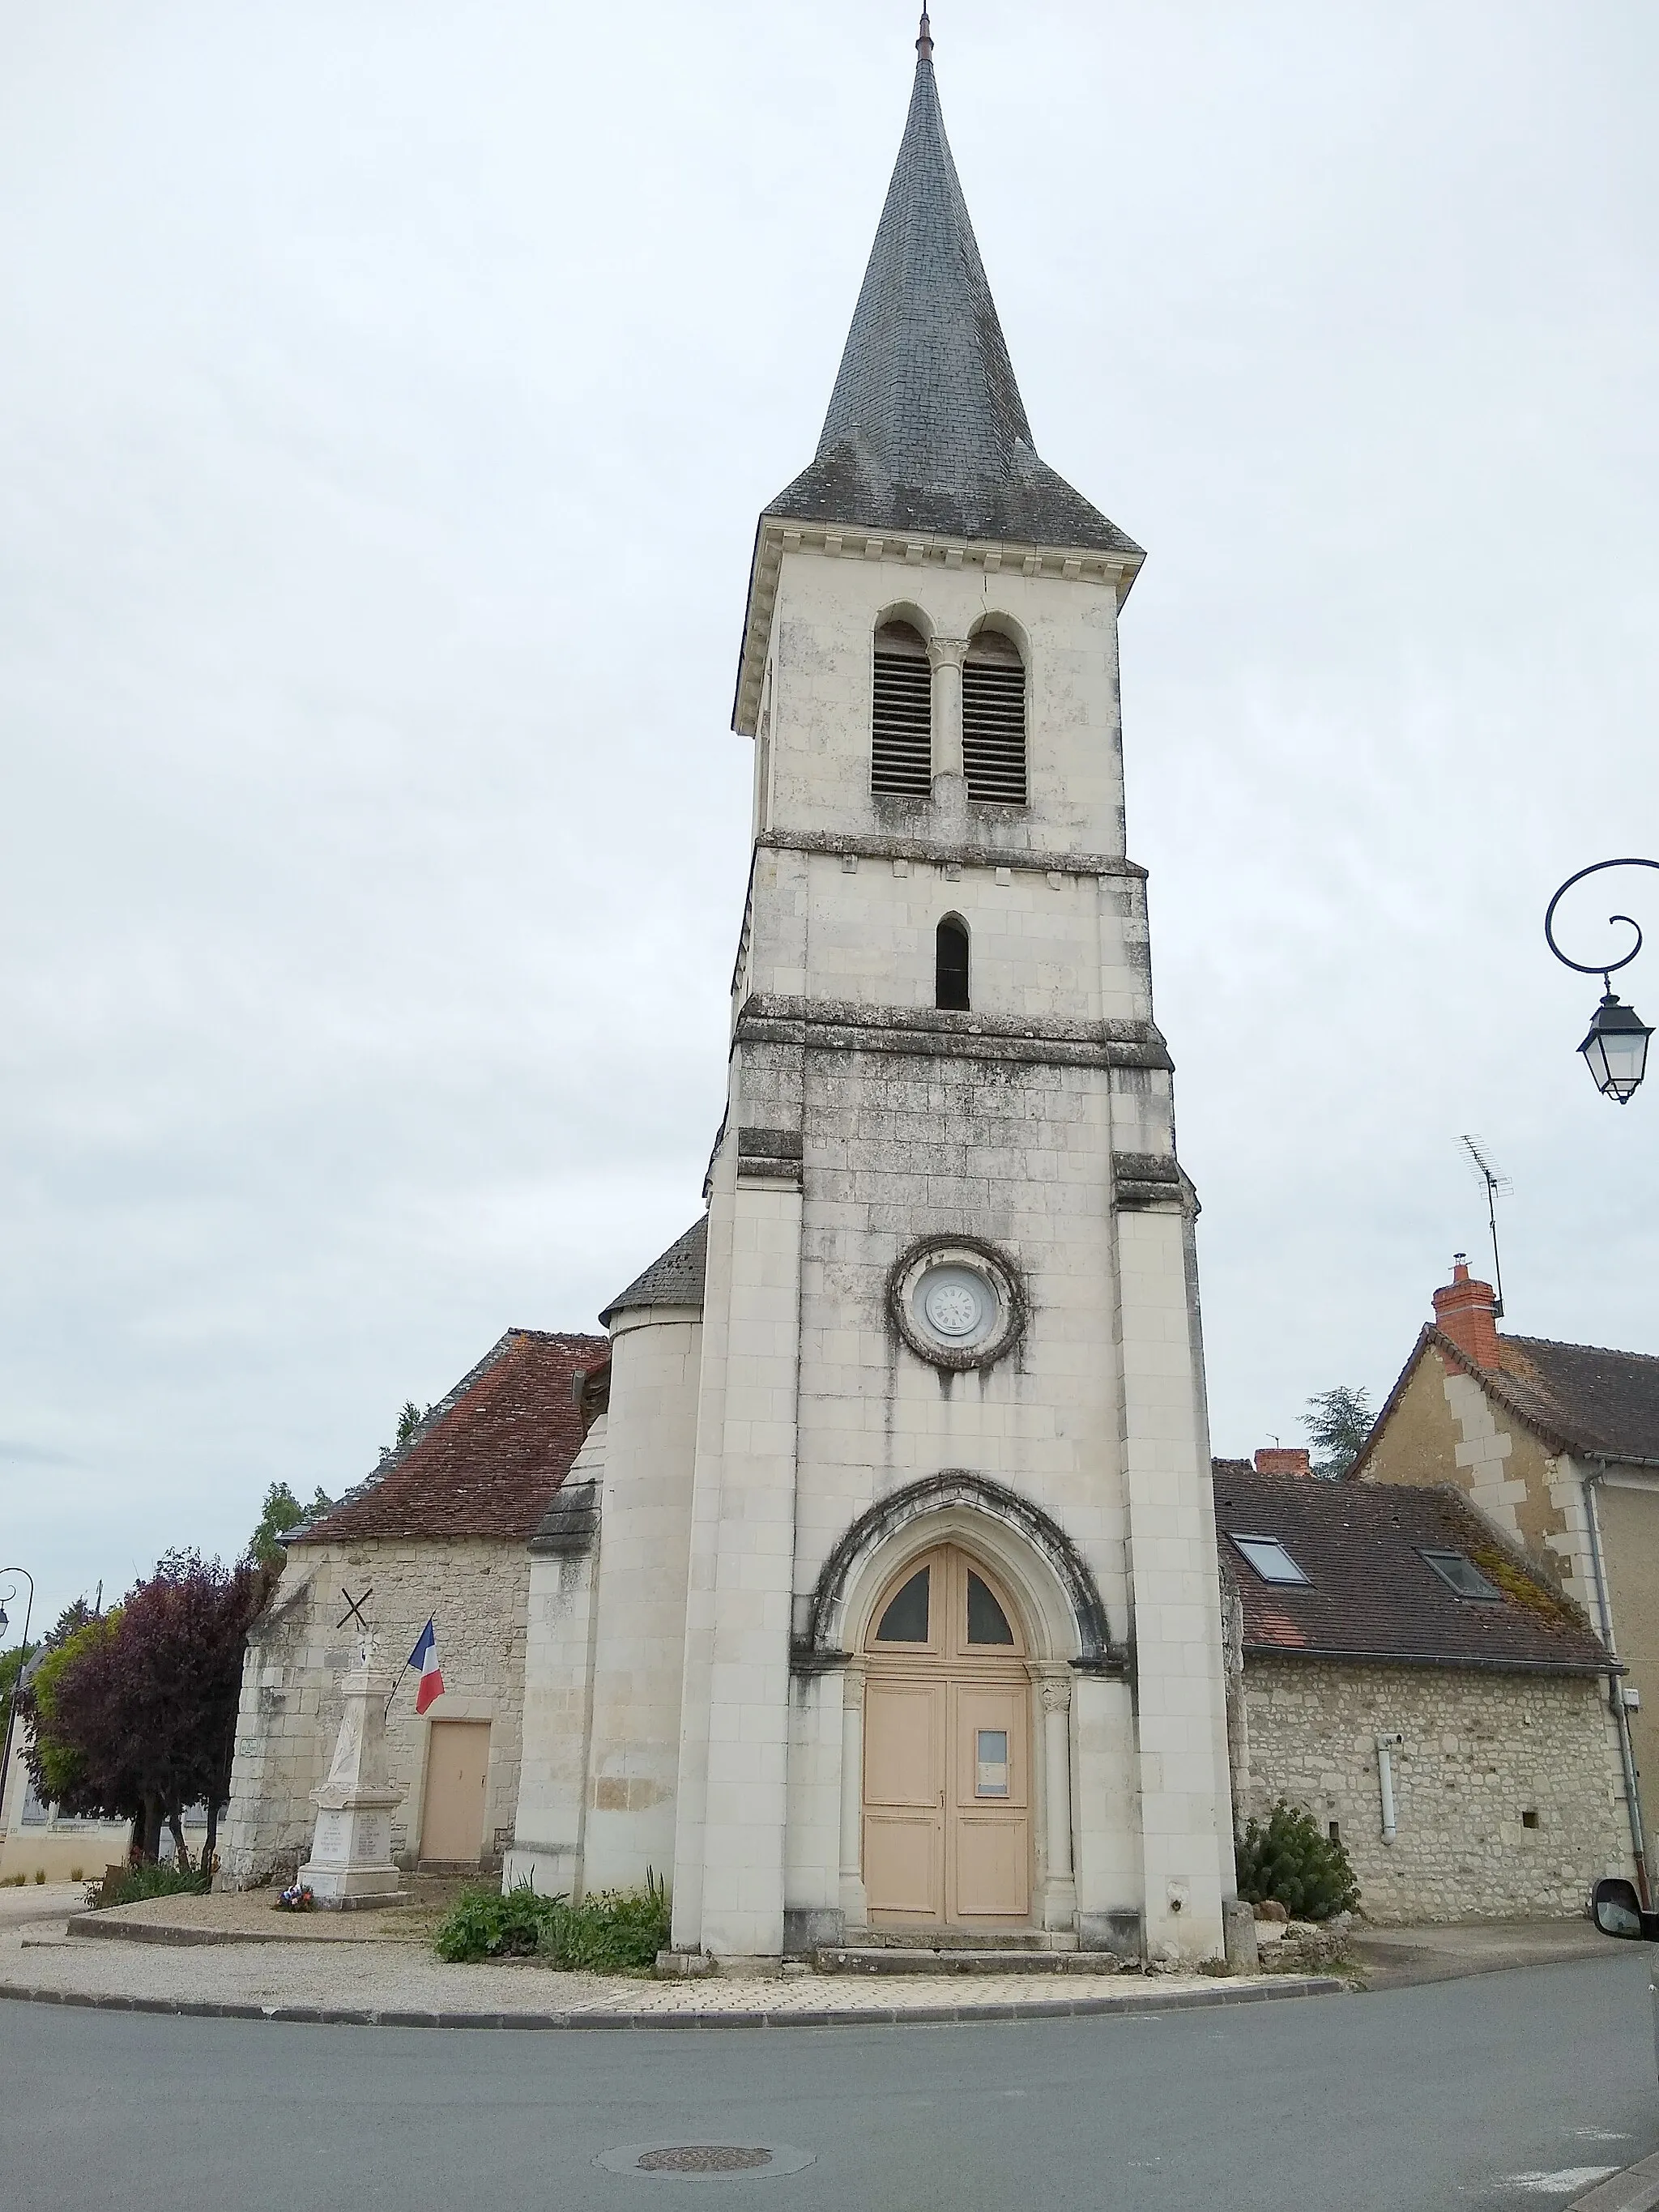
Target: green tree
<point>409,1421</point>
<point>75,1615</point>
<point>282,1512</point>
<point>1337,1423</point>
<point>54,1761</point>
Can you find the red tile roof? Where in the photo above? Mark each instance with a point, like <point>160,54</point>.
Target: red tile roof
<point>487,1460</point>
<point>1369,1592</point>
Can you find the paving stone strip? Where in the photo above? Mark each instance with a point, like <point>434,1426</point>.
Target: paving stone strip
<point>381,1984</point>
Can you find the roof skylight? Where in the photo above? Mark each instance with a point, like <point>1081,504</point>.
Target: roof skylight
<point>1269,1559</point>
<point>1460,1574</point>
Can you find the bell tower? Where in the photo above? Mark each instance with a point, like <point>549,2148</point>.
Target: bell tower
<point>951,1311</point>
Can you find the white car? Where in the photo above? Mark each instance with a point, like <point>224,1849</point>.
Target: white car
<point>1619,1911</point>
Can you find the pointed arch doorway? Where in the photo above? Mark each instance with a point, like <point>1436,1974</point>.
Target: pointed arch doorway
<point>947,1771</point>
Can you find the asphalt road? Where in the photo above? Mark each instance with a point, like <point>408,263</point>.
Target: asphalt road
<point>1405,2100</point>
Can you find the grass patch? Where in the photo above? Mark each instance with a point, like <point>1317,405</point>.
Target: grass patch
<point>619,1932</point>
<point>149,1880</point>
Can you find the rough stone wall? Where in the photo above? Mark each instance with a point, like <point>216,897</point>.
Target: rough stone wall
<point>1481,1752</point>
<point>291,1704</point>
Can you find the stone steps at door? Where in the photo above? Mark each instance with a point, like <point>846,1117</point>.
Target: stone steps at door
<point>889,1959</point>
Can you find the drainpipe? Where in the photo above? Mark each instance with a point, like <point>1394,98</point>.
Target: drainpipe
<point>1386,1747</point>
<point>1615,1687</point>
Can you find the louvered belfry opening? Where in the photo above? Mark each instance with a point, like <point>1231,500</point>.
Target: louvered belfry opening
<point>994,721</point>
<point>902,717</point>
<point>951,964</point>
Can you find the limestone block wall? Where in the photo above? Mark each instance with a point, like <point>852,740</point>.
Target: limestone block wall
<point>1482,1752</point>
<point>829,606</point>
<point>550,1826</point>
<point>291,1704</point>
<point>638,1661</point>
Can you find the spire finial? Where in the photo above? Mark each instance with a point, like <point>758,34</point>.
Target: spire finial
<point>925,43</point>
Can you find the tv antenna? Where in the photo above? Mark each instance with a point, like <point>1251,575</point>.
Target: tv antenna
<point>1498,1185</point>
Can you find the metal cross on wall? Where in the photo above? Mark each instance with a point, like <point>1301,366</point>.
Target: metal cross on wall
<point>354,1608</point>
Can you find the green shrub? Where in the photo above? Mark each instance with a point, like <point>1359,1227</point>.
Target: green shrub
<point>148,1878</point>
<point>484,1924</point>
<point>619,1932</point>
<point>1294,1861</point>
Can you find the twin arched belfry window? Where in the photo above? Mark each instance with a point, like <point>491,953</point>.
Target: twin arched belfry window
<point>993,717</point>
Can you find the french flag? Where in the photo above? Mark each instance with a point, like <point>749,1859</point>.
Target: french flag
<point>424,1659</point>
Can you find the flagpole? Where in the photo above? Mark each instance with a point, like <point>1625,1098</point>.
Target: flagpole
<point>396,1680</point>
<point>407,1664</point>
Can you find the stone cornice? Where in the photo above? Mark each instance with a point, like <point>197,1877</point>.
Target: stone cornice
<point>774,536</point>
<point>843,1025</point>
<point>941,852</point>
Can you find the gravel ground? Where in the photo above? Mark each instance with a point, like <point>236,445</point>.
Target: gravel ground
<point>382,1977</point>
<point>40,1901</point>
<point>252,1918</point>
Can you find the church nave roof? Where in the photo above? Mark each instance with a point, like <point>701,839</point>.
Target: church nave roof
<point>488,1459</point>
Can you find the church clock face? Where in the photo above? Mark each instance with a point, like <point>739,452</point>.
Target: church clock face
<point>957,1302</point>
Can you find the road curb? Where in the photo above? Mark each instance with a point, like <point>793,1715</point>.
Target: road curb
<point>1297,1985</point>
<point>1635,2189</point>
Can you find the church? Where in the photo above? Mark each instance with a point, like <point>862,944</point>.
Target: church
<point>863,1574</point>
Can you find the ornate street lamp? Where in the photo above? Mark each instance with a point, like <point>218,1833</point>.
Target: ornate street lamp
<point>11,1702</point>
<point>1616,1050</point>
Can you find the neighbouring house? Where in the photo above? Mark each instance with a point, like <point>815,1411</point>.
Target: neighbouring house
<point>1557,1446</point>
<point>1408,1676</point>
<point>37,1839</point>
<point>441,1529</point>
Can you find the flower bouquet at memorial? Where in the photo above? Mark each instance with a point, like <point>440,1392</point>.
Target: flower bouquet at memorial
<point>296,1898</point>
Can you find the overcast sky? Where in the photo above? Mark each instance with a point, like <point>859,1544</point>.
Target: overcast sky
<point>387,394</point>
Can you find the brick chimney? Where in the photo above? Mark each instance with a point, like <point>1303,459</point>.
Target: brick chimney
<point>1271,1459</point>
<point>1467,1312</point>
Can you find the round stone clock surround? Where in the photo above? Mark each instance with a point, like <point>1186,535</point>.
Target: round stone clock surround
<point>958,1302</point>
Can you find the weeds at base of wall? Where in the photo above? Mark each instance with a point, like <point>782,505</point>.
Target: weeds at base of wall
<point>619,1932</point>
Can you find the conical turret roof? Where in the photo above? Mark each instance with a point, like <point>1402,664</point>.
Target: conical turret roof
<point>926,429</point>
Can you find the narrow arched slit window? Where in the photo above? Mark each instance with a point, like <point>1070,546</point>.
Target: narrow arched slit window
<point>950,964</point>
<point>994,721</point>
<point>901,714</point>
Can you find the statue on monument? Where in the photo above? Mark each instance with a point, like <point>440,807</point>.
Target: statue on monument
<point>350,1862</point>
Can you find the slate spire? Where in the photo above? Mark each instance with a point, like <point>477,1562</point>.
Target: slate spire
<point>926,428</point>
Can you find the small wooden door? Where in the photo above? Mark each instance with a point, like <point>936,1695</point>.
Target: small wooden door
<point>457,1773</point>
<point>947,1818</point>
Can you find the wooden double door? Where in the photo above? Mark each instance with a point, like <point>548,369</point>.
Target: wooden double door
<point>947,1791</point>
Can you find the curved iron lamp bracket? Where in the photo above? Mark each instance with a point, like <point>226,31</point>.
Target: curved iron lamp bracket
<point>1604,969</point>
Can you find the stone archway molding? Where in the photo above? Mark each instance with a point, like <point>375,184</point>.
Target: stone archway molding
<point>956,1494</point>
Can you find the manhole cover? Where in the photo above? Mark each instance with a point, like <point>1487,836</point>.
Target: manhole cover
<point>699,2162</point>
<point>704,2158</point>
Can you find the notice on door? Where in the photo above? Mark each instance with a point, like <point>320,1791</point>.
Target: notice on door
<point>991,1762</point>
